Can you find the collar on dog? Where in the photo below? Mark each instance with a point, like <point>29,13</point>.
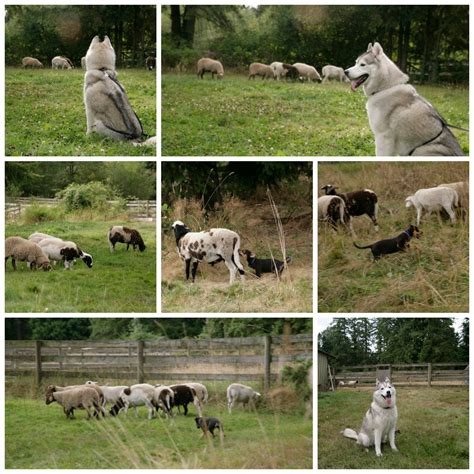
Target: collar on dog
<point>407,234</point>
<point>387,408</point>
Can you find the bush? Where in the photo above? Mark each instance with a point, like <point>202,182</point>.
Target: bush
<point>36,213</point>
<point>297,375</point>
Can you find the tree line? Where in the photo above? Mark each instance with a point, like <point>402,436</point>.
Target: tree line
<point>45,31</point>
<point>430,42</point>
<point>150,328</point>
<point>353,341</point>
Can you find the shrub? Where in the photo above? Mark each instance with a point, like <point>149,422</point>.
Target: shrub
<point>36,213</point>
<point>297,375</point>
<point>93,195</point>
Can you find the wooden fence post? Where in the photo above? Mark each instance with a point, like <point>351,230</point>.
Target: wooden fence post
<point>140,374</point>
<point>390,371</point>
<point>38,373</point>
<point>267,360</point>
<point>430,371</point>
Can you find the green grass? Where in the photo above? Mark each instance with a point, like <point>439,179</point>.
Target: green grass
<point>433,276</point>
<point>433,423</point>
<point>40,437</point>
<point>119,282</point>
<point>45,116</point>
<point>240,117</point>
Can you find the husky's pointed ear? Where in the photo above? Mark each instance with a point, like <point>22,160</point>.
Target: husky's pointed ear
<point>377,50</point>
<point>369,48</point>
<point>377,382</point>
<point>387,380</point>
<point>95,40</point>
<point>107,41</point>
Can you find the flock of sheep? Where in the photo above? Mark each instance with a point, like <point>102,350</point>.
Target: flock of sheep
<point>62,62</point>
<point>39,250</point>
<point>335,207</point>
<point>276,70</point>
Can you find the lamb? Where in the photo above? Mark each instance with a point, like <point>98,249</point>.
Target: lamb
<point>110,394</point>
<point>58,62</point>
<point>259,69</point>
<point>183,395</point>
<point>21,249</point>
<point>83,397</point>
<point>211,246</point>
<point>31,62</point>
<point>136,395</point>
<point>238,393</point>
<point>332,209</point>
<point>358,203</point>
<point>57,249</point>
<point>125,235</point>
<point>334,72</point>
<point>210,65</point>
<point>278,70</point>
<point>434,199</point>
<point>307,72</point>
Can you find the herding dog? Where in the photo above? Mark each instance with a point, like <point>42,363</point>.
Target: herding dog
<point>400,243</point>
<point>208,425</point>
<point>266,265</point>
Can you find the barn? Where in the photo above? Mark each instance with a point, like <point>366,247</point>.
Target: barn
<point>324,381</point>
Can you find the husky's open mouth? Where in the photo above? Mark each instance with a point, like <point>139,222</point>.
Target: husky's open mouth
<point>388,397</point>
<point>357,82</point>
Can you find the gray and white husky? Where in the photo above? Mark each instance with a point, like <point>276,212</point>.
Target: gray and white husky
<point>108,110</point>
<point>380,421</point>
<point>403,122</point>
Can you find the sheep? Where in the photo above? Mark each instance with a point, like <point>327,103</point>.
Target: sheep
<point>150,63</point>
<point>307,72</point>
<point>334,72</point>
<point>57,249</point>
<point>110,394</point>
<point>125,235</point>
<point>238,393</point>
<point>278,70</point>
<point>211,246</point>
<point>462,188</point>
<point>136,395</point>
<point>201,391</point>
<point>291,72</point>
<point>21,249</point>
<point>259,69</point>
<point>332,209</point>
<point>163,398</point>
<point>58,388</point>
<point>183,395</point>
<point>210,65</point>
<point>434,199</point>
<point>81,397</point>
<point>30,62</point>
<point>58,62</point>
<point>358,203</point>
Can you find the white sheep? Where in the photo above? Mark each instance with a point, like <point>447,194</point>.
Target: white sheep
<point>125,235</point>
<point>30,62</point>
<point>462,188</point>
<point>334,72</point>
<point>307,72</point>
<point>278,70</point>
<point>201,391</point>
<point>332,209</point>
<point>238,393</point>
<point>111,394</point>
<point>433,199</point>
<point>210,65</point>
<point>58,62</point>
<point>21,249</point>
<point>163,398</point>
<point>211,246</point>
<point>259,69</point>
<point>136,395</point>
<point>82,397</point>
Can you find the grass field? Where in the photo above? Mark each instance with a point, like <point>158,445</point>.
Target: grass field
<point>433,424</point>
<point>236,116</point>
<point>119,282</point>
<point>254,223</point>
<point>265,439</point>
<point>433,276</point>
<point>45,116</point>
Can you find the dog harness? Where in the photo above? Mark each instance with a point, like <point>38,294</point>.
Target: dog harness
<point>407,234</point>
<point>428,141</point>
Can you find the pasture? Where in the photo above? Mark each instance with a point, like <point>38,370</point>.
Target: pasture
<point>263,439</point>
<point>433,276</point>
<point>235,117</point>
<point>118,282</point>
<point>433,424</point>
<point>45,115</point>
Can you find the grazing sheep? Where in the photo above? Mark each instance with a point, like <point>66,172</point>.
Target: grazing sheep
<point>136,395</point>
<point>462,188</point>
<point>21,249</point>
<point>210,65</point>
<point>334,72</point>
<point>307,72</point>
<point>211,246</point>
<point>357,203</point>
<point>125,235</point>
<point>332,209</point>
<point>163,399</point>
<point>150,63</point>
<point>183,395</point>
<point>31,62</point>
<point>238,393</point>
<point>259,69</point>
<point>201,391</point>
<point>434,199</point>
<point>58,62</point>
<point>82,397</point>
<point>58,388</point>
<point>278,70</point>
<point>83,62</point>
<point>110,394</point>
<point>291,72</point>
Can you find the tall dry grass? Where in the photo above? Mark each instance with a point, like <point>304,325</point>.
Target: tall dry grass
<point>432,277</point>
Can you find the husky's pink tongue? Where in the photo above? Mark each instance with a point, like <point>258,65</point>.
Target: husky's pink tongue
<point>389,401</point>
<point>354,85</point>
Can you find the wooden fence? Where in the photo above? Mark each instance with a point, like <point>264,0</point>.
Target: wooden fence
<point>229,359</point>
<point>141,210</point>
<point>455,373</point>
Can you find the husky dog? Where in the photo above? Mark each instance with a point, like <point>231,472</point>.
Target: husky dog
<point>108,110</point>
<point>403,122</point>
<point>380,421</point>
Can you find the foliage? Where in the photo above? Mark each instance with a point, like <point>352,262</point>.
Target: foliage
<point>36,214</point>
<point>59,329</point>
<point>92,195</point>
<point>297,375</point>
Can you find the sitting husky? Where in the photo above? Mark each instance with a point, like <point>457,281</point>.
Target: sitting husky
<point>403,122</point>
<point>108,110</point>
<point>380,421</point>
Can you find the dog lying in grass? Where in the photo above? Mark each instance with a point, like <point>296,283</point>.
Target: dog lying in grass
<point>264,265</point>
<point>400,243</point>
<point>208,424</point>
